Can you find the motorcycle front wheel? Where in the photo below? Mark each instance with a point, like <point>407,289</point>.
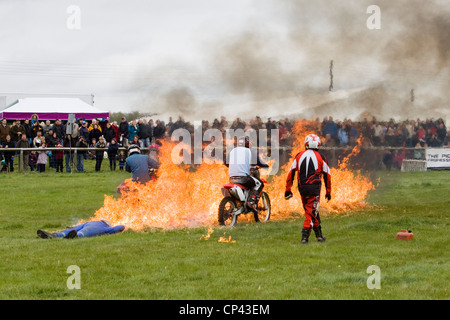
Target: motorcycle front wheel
<point>226,208</point>
<point>264,208</point>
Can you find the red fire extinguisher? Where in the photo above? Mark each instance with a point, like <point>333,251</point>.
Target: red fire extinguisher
<point>405,235</point>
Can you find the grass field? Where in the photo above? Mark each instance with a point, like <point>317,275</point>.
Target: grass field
<point>266,261</point>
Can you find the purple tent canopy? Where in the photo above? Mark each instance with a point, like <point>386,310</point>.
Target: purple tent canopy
<point>52,109</point>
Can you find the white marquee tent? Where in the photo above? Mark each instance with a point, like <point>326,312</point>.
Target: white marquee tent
<point>52,109</point>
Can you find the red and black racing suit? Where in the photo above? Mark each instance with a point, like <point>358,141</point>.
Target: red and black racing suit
<point>311,166</point>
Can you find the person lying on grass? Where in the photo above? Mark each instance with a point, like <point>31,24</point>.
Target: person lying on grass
<point>87,229</point>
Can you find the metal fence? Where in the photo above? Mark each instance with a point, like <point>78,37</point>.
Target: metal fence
<point>71,151</point>
<point>369,158</point>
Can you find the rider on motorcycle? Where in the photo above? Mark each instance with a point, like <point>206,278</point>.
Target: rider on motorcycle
<point>139,164</point>
<point>239,163</point>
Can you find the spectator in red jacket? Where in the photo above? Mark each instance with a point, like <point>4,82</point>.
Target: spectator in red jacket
<point>59,156</point>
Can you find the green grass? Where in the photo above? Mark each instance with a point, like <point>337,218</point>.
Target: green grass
<point>266,262</point>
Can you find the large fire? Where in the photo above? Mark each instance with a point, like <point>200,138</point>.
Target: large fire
<point>349,188</point>
<point>188,196</point>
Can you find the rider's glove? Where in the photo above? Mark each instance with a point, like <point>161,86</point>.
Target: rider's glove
<point>288,195</point>
<point>328,197</point>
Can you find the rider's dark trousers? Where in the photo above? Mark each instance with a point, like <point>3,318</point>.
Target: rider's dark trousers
<point>249,182</point>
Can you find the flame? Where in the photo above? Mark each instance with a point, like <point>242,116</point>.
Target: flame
<point>210,232</point>
<point>349,188</point>
<point>222,239</point>
<point>226,240</point>
<point>186,196</point>
<point>181,197</point>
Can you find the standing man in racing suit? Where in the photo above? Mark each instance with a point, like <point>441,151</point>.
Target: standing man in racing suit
<point>311,166</point>
<point>239,162</point>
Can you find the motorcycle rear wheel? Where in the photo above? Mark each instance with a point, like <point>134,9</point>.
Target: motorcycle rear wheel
<point>226,207</point>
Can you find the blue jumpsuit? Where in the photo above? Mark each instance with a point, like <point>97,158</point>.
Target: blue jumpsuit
<point>92,228</point>
<point>139,164</point>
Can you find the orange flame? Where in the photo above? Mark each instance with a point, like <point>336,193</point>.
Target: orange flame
<point>188,196</point>
<point>210,232</point>
<point>349,189</point>
<point>181,197</point>
<point>226,240</point>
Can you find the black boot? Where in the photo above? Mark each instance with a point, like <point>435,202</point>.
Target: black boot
<point>45,235</point>
<point>252,202</point>
<point>305,235</point>
<point>318,231</point>
<point>71,235</point>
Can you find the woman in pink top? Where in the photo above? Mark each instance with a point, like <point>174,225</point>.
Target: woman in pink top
<point>42,159</point>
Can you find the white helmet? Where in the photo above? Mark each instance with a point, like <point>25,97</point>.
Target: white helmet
<point>134,148</point>
<point>244,142</point>
<point>312,141</point>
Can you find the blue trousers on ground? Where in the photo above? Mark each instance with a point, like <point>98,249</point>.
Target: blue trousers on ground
<point>92,228</point>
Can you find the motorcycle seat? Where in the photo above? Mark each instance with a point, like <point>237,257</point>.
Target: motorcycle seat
<point>231,185</point>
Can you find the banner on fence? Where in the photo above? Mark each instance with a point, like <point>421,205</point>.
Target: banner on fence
<point>438,158</point>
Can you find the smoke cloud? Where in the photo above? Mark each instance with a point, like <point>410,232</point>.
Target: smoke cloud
<point>278,64</point>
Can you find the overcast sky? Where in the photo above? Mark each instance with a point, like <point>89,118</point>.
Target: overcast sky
<point>145,55</point>
<point>116,41</point>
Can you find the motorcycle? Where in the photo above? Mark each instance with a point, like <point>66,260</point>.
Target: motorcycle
<point>234,204</point>
<point>152,174</point>
<point>124,188</point>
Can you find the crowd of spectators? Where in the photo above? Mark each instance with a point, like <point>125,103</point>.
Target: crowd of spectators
<point>407,133</point>
<point>112,135</point>
<point>391,133</point>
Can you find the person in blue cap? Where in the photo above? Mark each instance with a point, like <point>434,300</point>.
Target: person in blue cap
<point>87,229</point>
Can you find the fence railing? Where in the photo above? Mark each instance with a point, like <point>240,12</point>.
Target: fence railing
<point>73,151</point>
<point>333,153</point>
